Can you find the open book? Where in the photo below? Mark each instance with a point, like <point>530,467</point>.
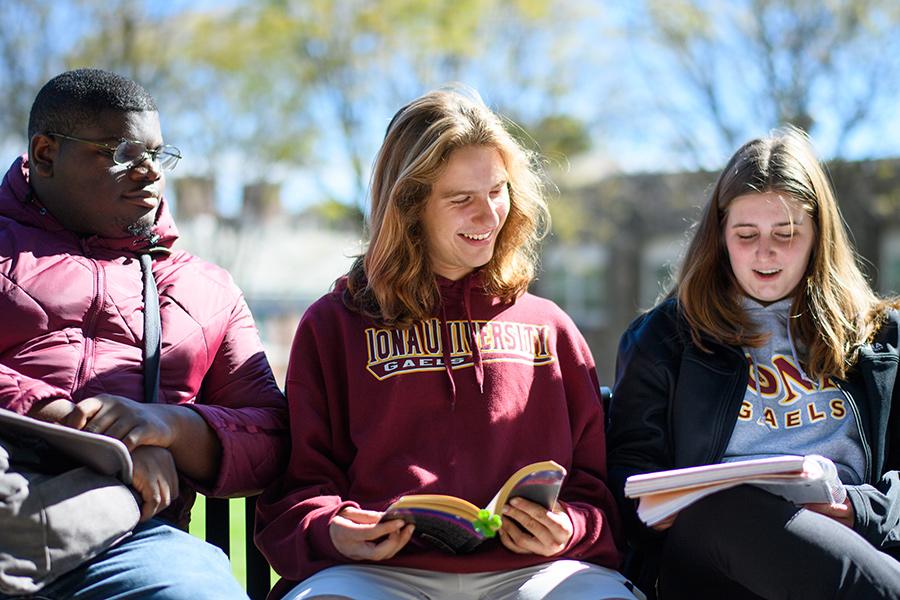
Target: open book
<point>458,526</point>
<point>106,455</point>
<point>800,479</point>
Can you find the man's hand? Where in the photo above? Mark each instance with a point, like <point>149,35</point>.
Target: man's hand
<point>356,533</point>
<point>529,528</point>
<point>182,431</point>
<point>155,479</point>
<point>135,423</point>
<point>842,513</point>
<point>52,410</point>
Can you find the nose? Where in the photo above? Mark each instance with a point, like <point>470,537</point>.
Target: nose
<point>487,212</point>
<point>765,246</point>
<point>146,167</point>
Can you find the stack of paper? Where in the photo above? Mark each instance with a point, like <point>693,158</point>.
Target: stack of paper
<point>800,479</point>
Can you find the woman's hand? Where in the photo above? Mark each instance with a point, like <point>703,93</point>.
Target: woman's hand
<point>841,512</point>
<point>529,528</point>
<point>358,535</point>
<point>665,523</point>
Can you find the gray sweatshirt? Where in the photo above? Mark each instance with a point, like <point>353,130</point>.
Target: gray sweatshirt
<point>784,411</point>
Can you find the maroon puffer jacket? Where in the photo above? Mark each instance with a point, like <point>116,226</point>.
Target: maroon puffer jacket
<point>71,326</point>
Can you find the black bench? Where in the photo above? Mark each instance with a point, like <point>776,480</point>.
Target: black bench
<point>217,533</point>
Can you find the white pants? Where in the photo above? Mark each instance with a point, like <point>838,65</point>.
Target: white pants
<point>557,580</point>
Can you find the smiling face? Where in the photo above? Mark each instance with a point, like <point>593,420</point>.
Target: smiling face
<point>769,238</point>
<point>465,211</point>
<point>86,191</point>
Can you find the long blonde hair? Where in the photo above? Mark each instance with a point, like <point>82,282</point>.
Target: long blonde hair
<point>836,309</point>
<point>393,280</point>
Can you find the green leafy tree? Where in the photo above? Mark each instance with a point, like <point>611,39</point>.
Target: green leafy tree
<point>27,60</point>
<point>323,77</point>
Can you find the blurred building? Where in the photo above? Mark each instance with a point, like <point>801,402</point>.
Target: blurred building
<point>283,262</point>
<point>617,239</point>
<point>620,237</point>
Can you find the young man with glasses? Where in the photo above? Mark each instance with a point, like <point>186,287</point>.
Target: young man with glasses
<point>85,232</point>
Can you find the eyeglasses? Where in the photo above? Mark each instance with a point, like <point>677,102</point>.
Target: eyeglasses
<point>133,152</point>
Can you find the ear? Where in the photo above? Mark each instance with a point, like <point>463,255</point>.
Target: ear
<point>41,154</point>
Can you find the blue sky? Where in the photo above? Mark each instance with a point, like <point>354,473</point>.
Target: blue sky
<point>618,80</point>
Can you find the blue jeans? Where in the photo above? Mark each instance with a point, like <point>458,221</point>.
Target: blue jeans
<point>157,562</point>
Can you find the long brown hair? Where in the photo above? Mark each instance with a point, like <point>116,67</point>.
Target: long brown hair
<point>836,309</point>
<point>393,281</point>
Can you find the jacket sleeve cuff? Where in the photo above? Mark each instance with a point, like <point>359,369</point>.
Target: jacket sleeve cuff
<point>320,532</point>
<point>876,513</point>
<point>223,484</point>
<point>860,510</point>
<point>579,526</point>
<point>254,445</point>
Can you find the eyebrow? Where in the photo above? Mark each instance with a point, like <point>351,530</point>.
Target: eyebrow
<point>452,193</point>
<point>782,224</point>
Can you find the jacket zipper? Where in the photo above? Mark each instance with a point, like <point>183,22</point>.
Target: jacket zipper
<point>738,388</point>
<point>867,452</point>
<point>87,358</point>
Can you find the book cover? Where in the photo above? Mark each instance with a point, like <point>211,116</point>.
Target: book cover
<point>457,526</point>
<point>102,453</point>
<point>799,479</point>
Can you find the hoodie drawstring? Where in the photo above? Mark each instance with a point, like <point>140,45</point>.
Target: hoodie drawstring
<point>781,308</point>
<point>797,362</point>
<point>445,347</point>
<point>758,383</point>
<point>471,335</point>
<point>470,327</point>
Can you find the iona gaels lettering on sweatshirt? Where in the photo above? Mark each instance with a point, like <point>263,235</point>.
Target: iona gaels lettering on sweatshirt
<point>419,347</point>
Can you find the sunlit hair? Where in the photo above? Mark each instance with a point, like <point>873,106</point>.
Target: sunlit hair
<point>393,280</point>
<point>836,310</point>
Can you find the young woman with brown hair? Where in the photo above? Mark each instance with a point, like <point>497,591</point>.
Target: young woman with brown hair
<point>771,343</point>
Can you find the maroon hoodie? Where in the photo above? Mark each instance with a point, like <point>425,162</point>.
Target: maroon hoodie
<point>377,413</point>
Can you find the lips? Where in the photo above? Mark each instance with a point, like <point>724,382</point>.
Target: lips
<point>476,237</point>
<point>145,197</point>
<point>766,273</point>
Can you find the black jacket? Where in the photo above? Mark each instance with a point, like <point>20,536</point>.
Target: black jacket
<point>675,405</point>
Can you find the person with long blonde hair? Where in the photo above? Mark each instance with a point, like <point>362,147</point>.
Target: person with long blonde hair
<point>430,369</point>
<point>771,343</point>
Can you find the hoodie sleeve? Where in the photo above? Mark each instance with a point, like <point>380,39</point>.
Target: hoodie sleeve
<point>242,404</point>
<point>294,514</point>
<point>585,493</point>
